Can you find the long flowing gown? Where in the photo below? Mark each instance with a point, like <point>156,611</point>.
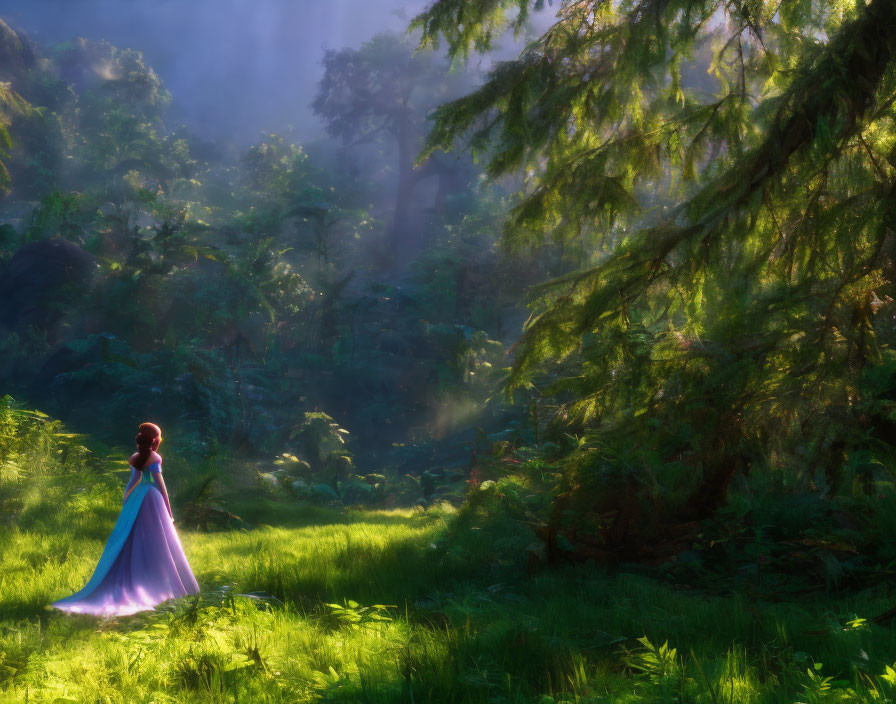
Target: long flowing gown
<point>143,563</point>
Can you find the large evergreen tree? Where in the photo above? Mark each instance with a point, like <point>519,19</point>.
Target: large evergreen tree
<point>737,305</point>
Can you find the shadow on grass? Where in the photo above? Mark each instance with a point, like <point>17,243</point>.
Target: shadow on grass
<point>61,507</point>
<point>366,557</point>
<point>400,571</point>
<point>298,515</point>
<point>564,629</point>
<point>39,610</point>
<point>24,609</point>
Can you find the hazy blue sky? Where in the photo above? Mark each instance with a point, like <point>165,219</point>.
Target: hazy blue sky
<point>234,67</point>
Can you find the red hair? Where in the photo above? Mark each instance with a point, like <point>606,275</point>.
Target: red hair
<point>149,435</point>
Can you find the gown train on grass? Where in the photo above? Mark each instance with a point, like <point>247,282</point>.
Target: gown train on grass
<point>143,563</point>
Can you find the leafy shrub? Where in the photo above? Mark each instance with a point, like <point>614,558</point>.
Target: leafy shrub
<point>32,444</point>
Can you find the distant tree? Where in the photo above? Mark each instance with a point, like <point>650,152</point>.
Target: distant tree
<point>119,129</point>
<point>17,55</point>
<point>113,76</point>
<point>285,195</point>
<point>274,169</point>
<point>385,88</point>
<point>11,106</point>
<point>17,61</point>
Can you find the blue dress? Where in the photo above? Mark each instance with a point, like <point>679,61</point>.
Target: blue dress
<point>143,563</point>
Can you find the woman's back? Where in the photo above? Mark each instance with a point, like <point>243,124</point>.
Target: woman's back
<point>143,562</point>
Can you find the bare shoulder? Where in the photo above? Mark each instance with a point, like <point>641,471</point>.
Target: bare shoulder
<point>152,459</point>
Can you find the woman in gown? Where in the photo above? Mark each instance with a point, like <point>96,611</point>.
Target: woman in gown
<point>143,563</point>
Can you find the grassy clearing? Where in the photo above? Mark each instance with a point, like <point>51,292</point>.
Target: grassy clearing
<point>393,606</point>
<point>451,633</point>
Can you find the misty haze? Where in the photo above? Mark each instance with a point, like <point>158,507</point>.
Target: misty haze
<point>480,351</point>
<point>234,68</point>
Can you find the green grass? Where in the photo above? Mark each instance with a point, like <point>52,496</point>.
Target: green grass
<point>395,606</point>
<point>454,634</point>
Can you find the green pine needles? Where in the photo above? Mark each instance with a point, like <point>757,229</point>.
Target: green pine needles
<point>729,170</point>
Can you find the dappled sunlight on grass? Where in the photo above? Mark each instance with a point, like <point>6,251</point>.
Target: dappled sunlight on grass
<point>383,606</point>
<point>384,558</point>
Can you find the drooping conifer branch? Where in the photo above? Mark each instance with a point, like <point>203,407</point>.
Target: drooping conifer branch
<point>822,110</point>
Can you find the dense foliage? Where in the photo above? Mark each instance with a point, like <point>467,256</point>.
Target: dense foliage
<point>145,272</point>
<point>733,304</point>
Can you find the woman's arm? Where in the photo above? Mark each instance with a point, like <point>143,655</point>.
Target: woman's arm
<point>135,477</point>
<point>161,484</point>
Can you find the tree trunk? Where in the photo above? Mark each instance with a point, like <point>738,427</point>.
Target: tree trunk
<point>720,465</point>
<point>402,242</point>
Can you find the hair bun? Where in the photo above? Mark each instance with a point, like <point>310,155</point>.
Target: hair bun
<point>147,434</point>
